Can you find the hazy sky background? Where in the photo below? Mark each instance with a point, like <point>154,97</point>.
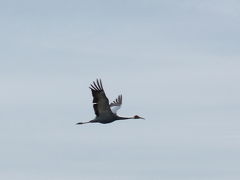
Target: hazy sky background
<point>177,63</point>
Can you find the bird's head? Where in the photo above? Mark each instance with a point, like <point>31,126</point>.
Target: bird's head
<point>137,117</point>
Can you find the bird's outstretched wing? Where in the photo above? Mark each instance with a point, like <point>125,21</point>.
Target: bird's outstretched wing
<point>100,100</point>
<point>116,105</point>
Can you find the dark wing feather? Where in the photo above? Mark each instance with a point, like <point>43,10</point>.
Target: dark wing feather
<point>100,100</point>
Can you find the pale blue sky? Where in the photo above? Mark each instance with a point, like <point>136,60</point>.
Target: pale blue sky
<point>175,62</point>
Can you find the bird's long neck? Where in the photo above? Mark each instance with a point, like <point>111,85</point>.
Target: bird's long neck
<point>123,118</point>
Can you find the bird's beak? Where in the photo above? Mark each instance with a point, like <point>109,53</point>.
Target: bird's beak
<point>142,118</point>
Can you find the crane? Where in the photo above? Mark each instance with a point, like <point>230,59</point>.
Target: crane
<point>105,112</point>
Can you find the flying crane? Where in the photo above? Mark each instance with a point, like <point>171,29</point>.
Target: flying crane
<point>105,112</point>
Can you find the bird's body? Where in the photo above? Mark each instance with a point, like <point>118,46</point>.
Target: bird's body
<point>107,118</point>
<point>105,112</point>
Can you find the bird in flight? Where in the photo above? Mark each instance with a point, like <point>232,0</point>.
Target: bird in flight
<point>105,112</point>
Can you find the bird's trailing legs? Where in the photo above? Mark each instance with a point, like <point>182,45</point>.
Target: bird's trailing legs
<point>82,123</point>
<point>92,121</point>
